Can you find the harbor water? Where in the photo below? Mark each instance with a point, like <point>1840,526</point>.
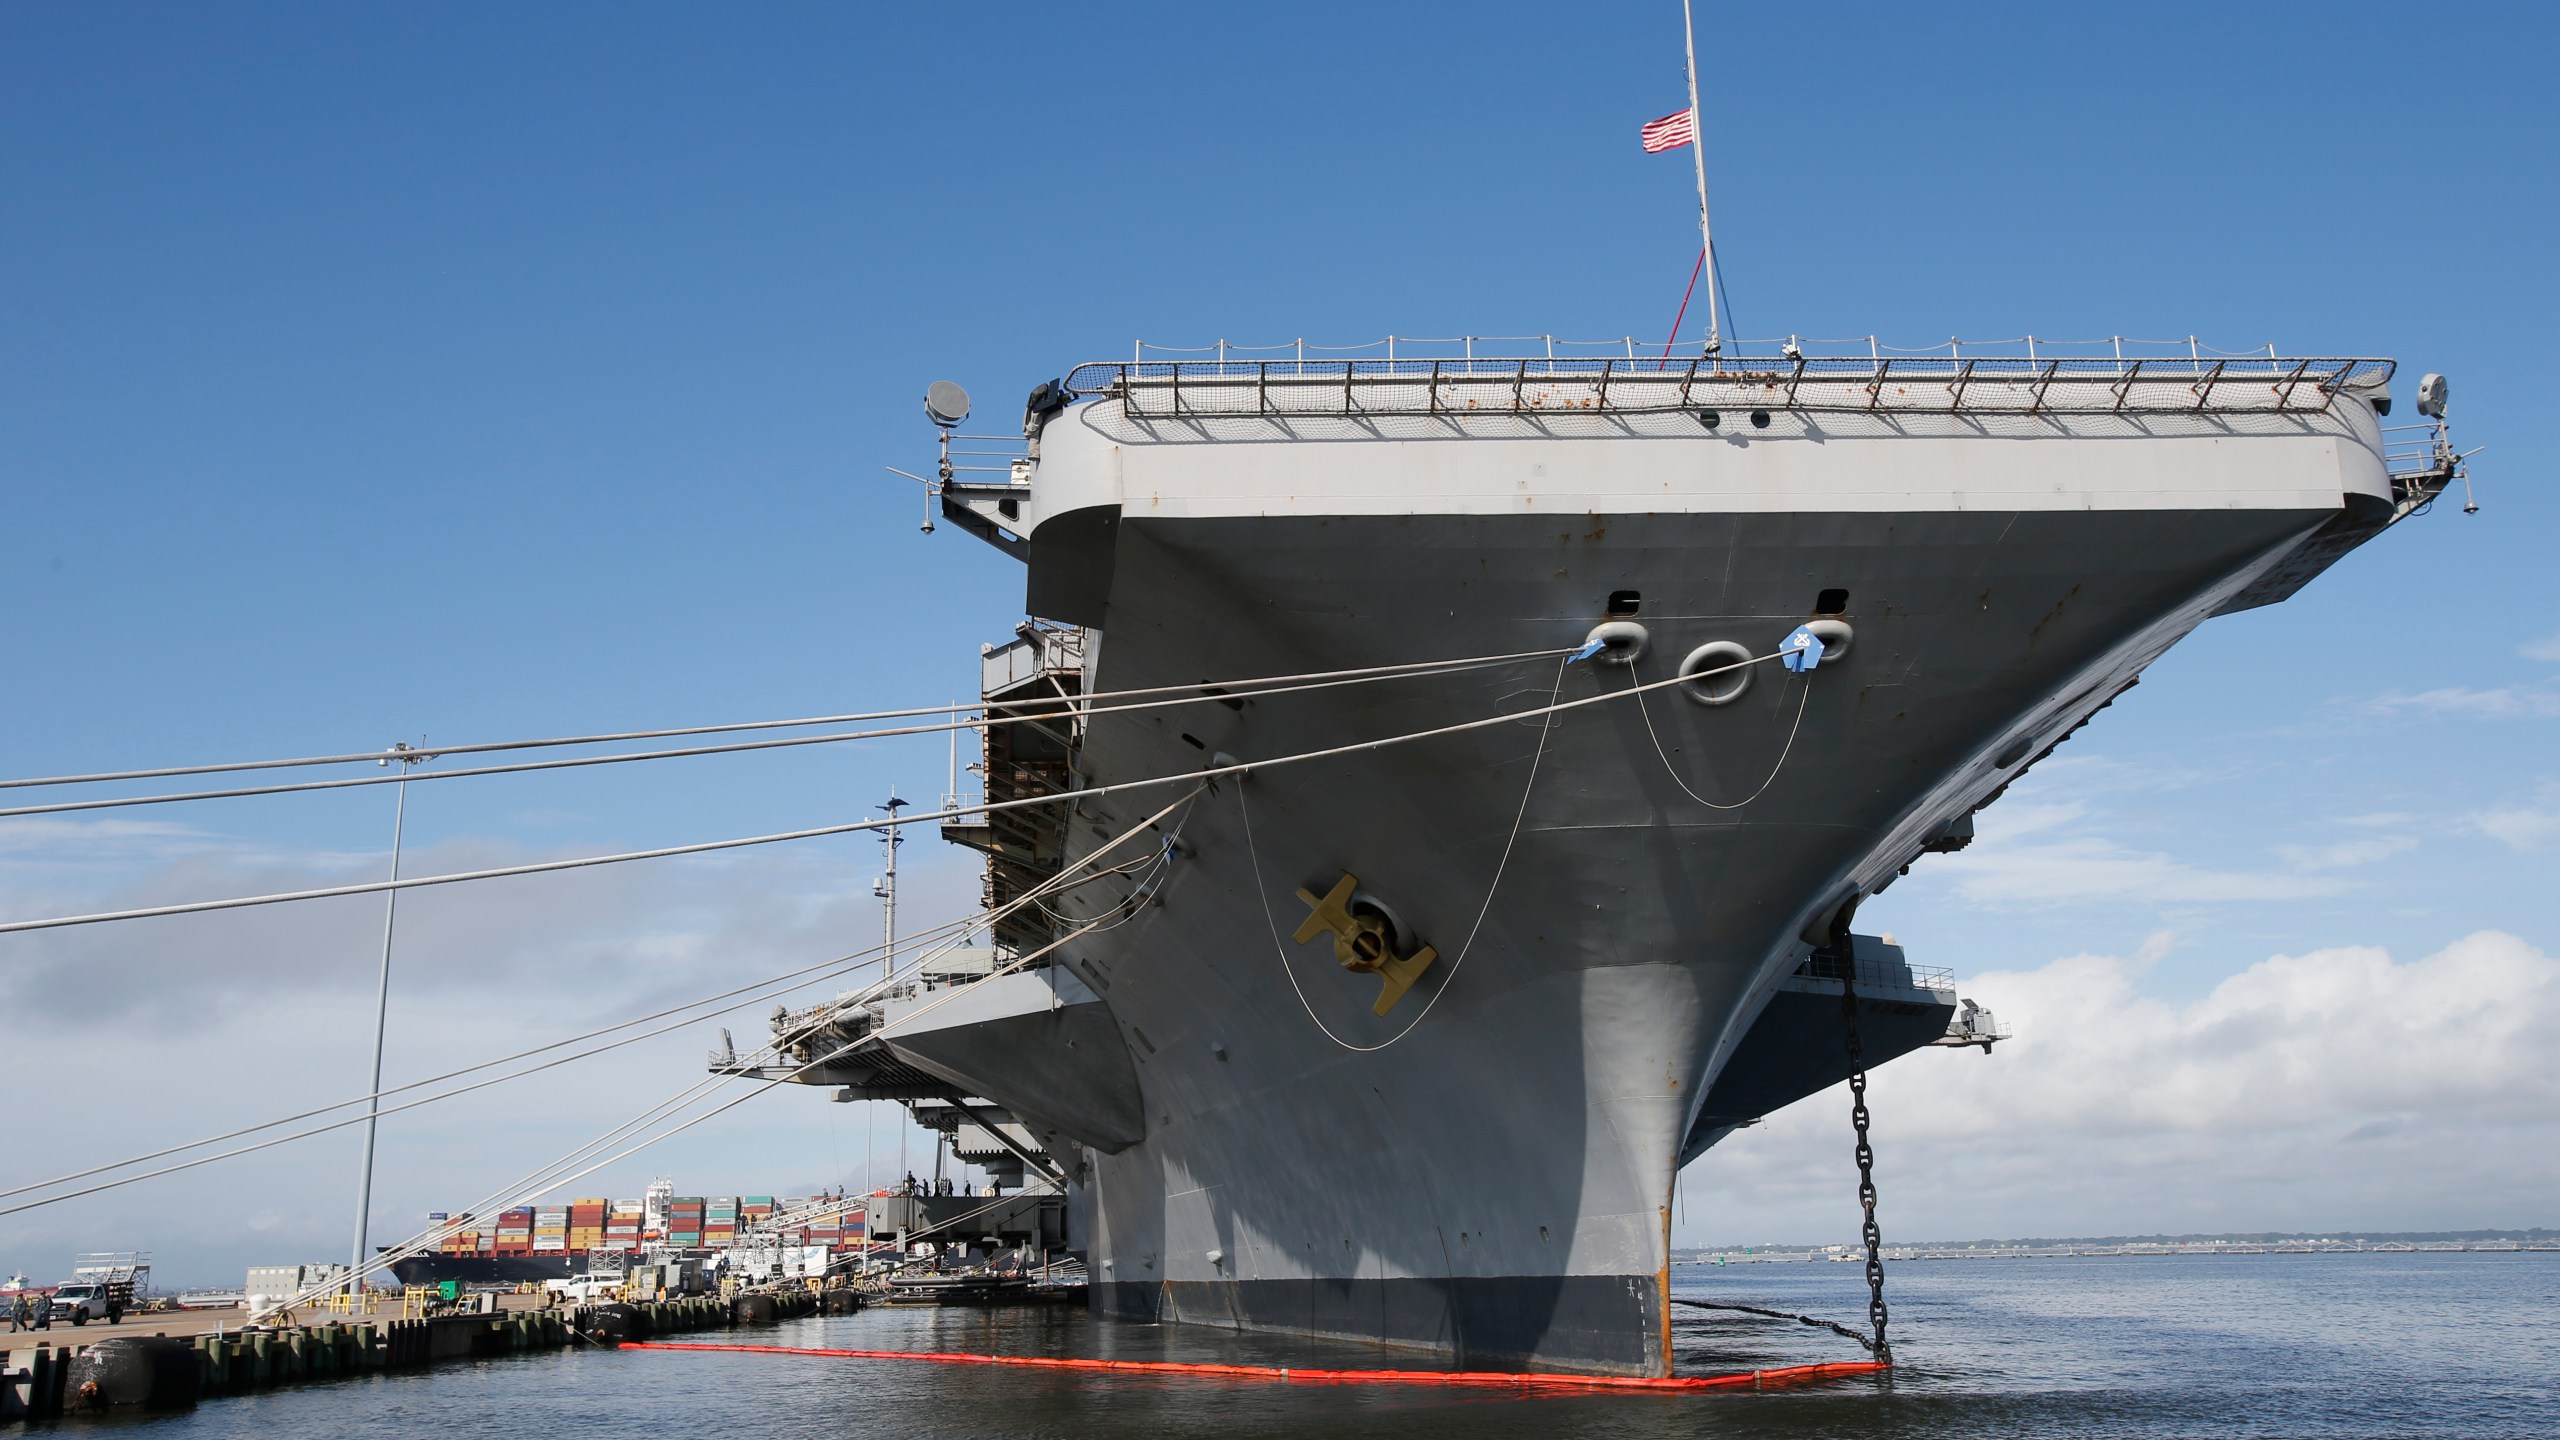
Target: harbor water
<point>2274,1345</point>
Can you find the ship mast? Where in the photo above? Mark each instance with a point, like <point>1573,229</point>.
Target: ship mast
<point>1698,153</point>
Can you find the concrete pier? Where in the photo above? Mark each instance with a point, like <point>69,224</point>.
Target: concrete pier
<point>144,1364</point>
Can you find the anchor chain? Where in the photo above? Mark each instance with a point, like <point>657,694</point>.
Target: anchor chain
<point>1876,1312</point>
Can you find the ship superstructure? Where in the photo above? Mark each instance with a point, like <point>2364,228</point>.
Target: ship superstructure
<point>1407,1041</point>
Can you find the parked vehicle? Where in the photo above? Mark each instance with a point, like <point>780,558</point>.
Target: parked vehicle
<point>579,1289</point>
<point>102,1287</point>
<point>82,1301</point>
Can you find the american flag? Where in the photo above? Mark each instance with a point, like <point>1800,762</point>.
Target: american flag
<point>1670,132</point>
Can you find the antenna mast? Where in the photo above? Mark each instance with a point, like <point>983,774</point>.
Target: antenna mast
<point>1698,153</point>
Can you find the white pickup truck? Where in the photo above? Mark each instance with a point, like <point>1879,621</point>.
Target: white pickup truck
<point>82,1301</point>
<point>577,1289</point>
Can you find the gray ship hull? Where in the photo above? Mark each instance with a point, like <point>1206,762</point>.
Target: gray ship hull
<point>1627,898</point>
<point>1495,1184</point>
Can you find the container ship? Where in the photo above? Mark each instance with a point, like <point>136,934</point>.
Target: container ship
<point>1432,985</point>
<point>530,1244</point>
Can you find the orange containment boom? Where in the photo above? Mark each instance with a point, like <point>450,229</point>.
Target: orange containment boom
<point>1739,1380</point>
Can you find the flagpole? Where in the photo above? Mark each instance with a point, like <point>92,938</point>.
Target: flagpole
<point>1698,153</point>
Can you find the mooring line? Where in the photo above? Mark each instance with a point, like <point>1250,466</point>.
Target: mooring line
<point>1492,1379</point>
<point>704,847</point>
<point>1816,1322</point>
<point>1072,707</point>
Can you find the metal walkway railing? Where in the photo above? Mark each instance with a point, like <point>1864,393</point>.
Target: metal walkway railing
<point>1540,385</point>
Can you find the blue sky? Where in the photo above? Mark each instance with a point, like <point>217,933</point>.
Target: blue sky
<point>460,372</point>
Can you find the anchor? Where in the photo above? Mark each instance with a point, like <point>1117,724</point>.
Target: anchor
<point>1363,941</point>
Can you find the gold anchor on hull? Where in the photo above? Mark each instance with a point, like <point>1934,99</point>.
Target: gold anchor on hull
<point>1363,941</point>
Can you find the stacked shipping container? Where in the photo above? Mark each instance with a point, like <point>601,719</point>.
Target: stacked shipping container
<point>586,1223</point>
<point>462,1239</point>
<point>514,1235</point>
<point>623,1223</point>
<point>550,1229</point>
<point>694,1222</point>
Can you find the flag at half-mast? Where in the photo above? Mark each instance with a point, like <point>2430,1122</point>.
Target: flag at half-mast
<point>1670,132</point>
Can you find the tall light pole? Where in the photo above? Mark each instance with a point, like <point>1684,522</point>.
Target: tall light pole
<point>886,887</point>
<point>381,1013</point>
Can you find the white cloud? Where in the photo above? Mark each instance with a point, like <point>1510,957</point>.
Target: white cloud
<point>2096,774</point>
<point>2007,822</point>
<point>2041,854</point>
<point>2082,868</point>
<point>49,837</point>
<point>2506,702</point>
<point>2329,1090</point>
<point>182,1027</point>
<point>2517,827</point>
<point>2546,648</point>
<point>2346,854</point>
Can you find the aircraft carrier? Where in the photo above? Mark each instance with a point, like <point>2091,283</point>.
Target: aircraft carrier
<point>1407,1041</point>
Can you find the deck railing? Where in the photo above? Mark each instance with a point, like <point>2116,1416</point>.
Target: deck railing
<point>1877,974</point>
<point>1737,390</point>
<point>2422,449</point>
